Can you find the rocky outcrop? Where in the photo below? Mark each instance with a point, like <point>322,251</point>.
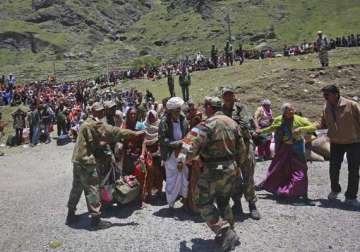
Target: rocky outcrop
<point>18,41</point>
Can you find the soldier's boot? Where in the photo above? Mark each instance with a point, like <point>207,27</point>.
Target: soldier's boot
<point>254,213</point>
<point>229,240</point>
<point>97,223</point>
<point>237,208</point>
<point>71,217</point>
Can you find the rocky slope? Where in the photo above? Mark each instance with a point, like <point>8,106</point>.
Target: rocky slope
<point>87,33</point>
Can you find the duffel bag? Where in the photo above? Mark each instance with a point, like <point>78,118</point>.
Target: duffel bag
<point>63,140</point>
<point>127,189</point>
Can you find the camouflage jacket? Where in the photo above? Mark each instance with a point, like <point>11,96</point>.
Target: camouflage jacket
<point>218,141</point>
<point>93,136</point>
<point>166,138</point>
<point>240,114</point>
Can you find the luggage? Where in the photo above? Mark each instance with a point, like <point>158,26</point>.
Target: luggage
<point>127,189</point>
<point>11,141</point>
<point>63,140</point>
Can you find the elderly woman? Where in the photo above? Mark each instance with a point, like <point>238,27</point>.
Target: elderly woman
<point>150,156</point>
<point>264,118</point>
<point>287,174</point>
<point>172,129</point>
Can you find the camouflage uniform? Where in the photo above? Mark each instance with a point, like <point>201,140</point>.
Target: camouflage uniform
<point>219,143</point>
<point>229,56</point>
<point>322,46</point>
<point>240,115</point>
<point>86,159</point>
<point>171,84</point>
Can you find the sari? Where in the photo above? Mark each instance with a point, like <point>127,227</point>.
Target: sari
<point>287,174</point>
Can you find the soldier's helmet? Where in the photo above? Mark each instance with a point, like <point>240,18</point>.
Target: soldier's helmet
<point>97,106</point>
<point>213,101</point>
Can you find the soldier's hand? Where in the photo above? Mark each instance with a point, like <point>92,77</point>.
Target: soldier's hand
<point>140,134</point>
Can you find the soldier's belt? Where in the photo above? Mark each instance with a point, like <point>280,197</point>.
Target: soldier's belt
<point>218,159</point>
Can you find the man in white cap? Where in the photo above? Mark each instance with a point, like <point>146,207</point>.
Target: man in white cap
<point>172,129</point>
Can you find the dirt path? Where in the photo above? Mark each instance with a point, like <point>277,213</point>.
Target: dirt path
<point>35,184</point>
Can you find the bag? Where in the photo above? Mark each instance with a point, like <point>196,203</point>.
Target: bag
<point>107,192</point>
<point>127,189</point>
<point>11,141</point>
<point>63,140</point>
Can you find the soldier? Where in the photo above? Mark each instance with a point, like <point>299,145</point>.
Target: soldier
<point>171,82</point>
<point>214,56</point>
<point>92,137</point>
<point>322,46</point>
<point>219,144</point>
<point>239,114</point>
<point>185,82</point>
<point>110,109</point>
<point>228,53</point>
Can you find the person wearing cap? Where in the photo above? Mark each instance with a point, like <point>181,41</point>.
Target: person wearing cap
<point>264,118</point>
<point>172,129</point>
<point>87,155</point>
<point>322,46</point>
<point>238,112</point>
<point>110,109</point>
<point>219,143</point>
<point>341,117</point>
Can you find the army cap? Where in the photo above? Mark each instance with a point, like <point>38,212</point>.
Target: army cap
<point>319,32</point>
<point>109,104</point>
<point>213,101</point>
<point>97,106</point>
<point>227,90</point>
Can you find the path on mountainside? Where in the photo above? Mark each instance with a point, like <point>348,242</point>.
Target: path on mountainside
<point>35,184</point>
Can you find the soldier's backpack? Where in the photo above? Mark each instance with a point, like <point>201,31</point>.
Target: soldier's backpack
<point>63,140</point>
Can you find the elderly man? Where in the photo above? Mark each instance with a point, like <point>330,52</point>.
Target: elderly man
<point>238,112</point>
<point>172,129</point>
<point>94,135</point>
<point>341,117</point>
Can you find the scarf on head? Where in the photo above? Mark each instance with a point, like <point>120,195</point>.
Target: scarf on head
<point>151,129</point>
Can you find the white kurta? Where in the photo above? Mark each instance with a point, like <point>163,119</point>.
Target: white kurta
<point>177,183</point>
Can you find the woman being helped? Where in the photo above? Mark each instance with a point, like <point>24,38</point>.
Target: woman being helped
<point>132,147</point>
<point>150,156</point>
<point>287,174</point>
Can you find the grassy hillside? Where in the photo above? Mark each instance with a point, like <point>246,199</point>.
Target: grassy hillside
<point>81,36</point>
<point>294,79</point>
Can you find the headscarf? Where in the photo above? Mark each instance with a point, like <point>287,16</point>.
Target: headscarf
<point>151,129</point>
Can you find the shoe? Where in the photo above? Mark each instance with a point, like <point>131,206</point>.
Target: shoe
<point>333,196</point>
<point>237,208</point>
<point>352,203</point>
<point>254,213</point>
<point>71,218</point>
<point>99,224</point>
<point>229,240</point>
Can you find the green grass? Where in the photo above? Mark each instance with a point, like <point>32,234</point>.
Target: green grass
<point>245,76</point>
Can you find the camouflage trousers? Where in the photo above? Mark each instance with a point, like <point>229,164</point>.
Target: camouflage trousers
<point>246,185</point>
<point>85,179</point>
<point>324,57</point>
<point>217,189</point>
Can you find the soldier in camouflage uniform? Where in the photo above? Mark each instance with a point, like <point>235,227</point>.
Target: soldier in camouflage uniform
<point>229,54</point>
<point>219,144</point>
<point>238,113</point>
<point>87,154</point>
<point>214,56</point>
<point>322,46</point>
<point>171,83</point>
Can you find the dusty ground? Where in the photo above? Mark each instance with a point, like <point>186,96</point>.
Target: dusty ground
<point>35,184</point>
